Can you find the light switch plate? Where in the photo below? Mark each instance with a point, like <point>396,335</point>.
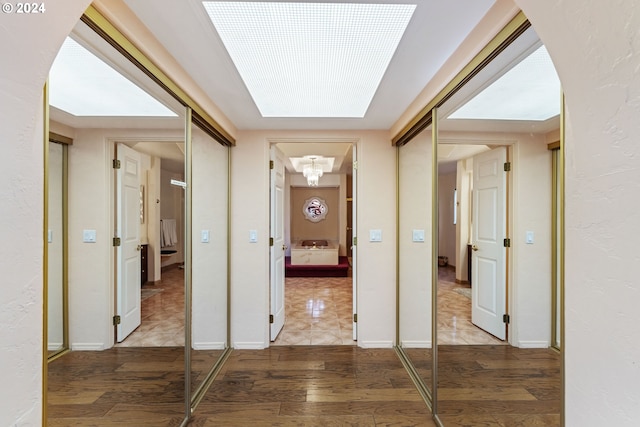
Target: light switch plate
<point>253,236</point>
<point>50,236</point>
<point>418,235</point>
<point>204,236</point>
<point>89,236</point>
<point>375,235</point>
<point>529,238</point>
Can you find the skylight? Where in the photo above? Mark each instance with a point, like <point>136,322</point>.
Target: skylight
<point>529,91</point>
<point>83,85</point>
<point>310,59</point>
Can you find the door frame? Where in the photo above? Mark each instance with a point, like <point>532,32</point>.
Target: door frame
<point>110,145</point>
<point>510,307</point>
<point>354,144</point>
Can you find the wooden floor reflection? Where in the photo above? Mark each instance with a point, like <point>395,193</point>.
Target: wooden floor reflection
<point>498,386</point>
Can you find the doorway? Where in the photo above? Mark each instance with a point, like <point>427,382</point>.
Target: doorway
<point>161,217</point>
<point>318,289</point>
<point>458,219</point>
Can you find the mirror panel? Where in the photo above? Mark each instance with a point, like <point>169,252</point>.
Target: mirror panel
<point>210,239</point>
<point>143,127</point>
<point>415,253</point>
<point>485,367</point>
<point>56,260</point>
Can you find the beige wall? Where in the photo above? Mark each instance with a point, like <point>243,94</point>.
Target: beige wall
<point>415,192</point>
<point>250,210</point>
<point>301,227</point>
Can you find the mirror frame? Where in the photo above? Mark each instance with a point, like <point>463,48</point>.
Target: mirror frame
<point>64,142</point>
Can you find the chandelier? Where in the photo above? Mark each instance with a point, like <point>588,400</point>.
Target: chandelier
<point>312,172</point>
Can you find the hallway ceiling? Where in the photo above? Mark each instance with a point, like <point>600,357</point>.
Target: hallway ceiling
<point>436,27</point>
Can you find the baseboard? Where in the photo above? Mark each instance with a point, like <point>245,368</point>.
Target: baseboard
<point>53,346</point>
<point>375,344</point>
<point>416,344</point>
<point>249,346</point>
<point>533,344</point>
<point>87,346</point>
<point>208,346</point>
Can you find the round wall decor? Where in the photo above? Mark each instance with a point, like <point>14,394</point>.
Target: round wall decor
<point>315,209</point>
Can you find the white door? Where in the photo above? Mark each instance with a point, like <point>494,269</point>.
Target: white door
<point>278,247</point>
<point>354,249</point>
<point>488,302</point>
<point>128,230</point>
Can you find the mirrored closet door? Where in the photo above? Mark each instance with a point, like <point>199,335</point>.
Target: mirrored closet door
<point>210,260</point>
<point>414,255</point>
<point>494,232</point>
<point>56,237</point>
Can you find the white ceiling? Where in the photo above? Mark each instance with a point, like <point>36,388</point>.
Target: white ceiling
<point>436,29</point>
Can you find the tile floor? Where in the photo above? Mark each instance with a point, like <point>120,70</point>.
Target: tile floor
<point>318,311</point>
<point>162,314</point>
<point>454,314</point>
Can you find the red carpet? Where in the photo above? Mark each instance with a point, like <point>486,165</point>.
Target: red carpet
<point>340,270</point>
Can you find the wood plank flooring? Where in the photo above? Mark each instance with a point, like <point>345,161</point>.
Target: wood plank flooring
<point>498,386</point>
<point>494,386</point>
<point>313,386</point>
<point>117,387</point>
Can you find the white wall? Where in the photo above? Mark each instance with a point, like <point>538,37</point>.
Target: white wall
<point>250,210</point>
<point>464,184</point>
<point>55,259</point>
<point>596,50</point>
<point>172,207</point>
<point>153,220</point>
<point>32,45</point>
<point>447,229</point>
<point>209,212</point>
<point>90,272</point>
<point>530,279</point>
<point>415,189</point>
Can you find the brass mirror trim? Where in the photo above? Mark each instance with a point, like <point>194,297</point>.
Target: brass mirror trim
<point>45,252</point>
<point>97,22</point>
<point>518,25</point>
<point>434,263</point>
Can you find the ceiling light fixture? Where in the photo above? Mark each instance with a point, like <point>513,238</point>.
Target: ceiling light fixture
<point>310,59</point>
<point>312,171</point>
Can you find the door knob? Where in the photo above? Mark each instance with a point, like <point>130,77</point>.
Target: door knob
<point>474,247</point>
<point>284,247</point>
<point>139,248</point>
